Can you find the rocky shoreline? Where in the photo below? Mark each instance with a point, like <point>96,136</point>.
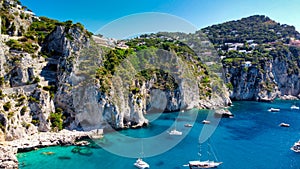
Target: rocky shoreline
<point>8,150</point>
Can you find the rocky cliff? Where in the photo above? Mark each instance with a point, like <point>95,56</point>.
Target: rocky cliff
<point>275,77</point>
<point>55,75</point>
<point>260,58</point>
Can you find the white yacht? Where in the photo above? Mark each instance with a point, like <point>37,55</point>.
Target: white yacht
<point>141,164</point>
<point>273,110</point>
<point>188,125</point>
<point>205,122</point>
<point>284,125</point>
<point>175,132</point>
<point>294,107</point>
<point>203,164</point>
<point>296,147</point>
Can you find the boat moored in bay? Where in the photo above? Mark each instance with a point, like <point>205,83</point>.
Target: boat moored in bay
<point>203,164</point>
<point>141,164</point>
<point>274,110</point>
<point>205,122</point>
<point>294,107</point>
<point>284,125</point>
<point>296,147</point>
<point>188,125</point>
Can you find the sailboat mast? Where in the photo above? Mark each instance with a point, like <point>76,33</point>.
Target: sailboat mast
<point>212,150</point>
<point>142,153</point>
<point>200,150</point>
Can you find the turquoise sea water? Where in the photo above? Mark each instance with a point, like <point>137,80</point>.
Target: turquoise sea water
<point>251,140</point>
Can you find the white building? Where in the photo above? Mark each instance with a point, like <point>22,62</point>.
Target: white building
<point>248,64</point>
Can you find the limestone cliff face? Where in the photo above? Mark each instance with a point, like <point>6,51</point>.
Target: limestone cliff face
<point>58,76</point>
<point>287,81</point>
<point>25,107</point>
<point>270,79</point>
<point>87,107</point>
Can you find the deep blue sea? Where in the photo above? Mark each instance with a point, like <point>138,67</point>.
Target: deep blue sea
<point>250,140</point>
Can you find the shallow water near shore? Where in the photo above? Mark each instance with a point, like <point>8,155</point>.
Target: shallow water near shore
<point>250,140</point>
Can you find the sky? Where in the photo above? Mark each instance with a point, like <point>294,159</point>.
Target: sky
<point>95,14</point>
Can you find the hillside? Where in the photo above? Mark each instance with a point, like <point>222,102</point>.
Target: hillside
<point>260,57</point>
<point>259,28</point>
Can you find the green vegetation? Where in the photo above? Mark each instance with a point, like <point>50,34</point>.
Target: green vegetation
<point>7,106</point>
<point>154,48</point>
<point>259,28</point>
<point>35,122</point>
<point>33,99</point>
<point>39,29</point>
<point>10,115</point>
<point>36,80</point>
<point>2,81</point>
<point>23,110</point>
<point>229,86</point>
<point>51,89</point>
<point>1,94</point>
<point>26,125</point>
<point>20,100</point>
<point>27,46</point>
<point>233,61</point>
<point>56,120</point>
<point>2,127</point>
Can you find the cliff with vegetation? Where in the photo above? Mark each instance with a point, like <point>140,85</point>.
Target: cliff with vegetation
<point>260,58</point>
<point>56,75</point>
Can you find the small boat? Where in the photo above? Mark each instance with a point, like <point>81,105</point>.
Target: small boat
<point>273,110</point>
<point>294,107</point>
<point>206,122</point>
<point>284,125</point>
<point>296,147</point>
<point>223,113</point>
<point>188,125</point>
<point>175,132</point>
<point>48,153</point>
<point>203,164</point>
<point>141,164</point>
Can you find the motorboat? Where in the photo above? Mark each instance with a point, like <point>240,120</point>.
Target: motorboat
<point>188,125</point>
<point>294,107</point>
<point>175,132</point>
<point>203,164</point>
<point>141,164</point>
<point>296,147</point>
<point>284,125</point>
<point>206,122</point>
<point>273,110</point>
